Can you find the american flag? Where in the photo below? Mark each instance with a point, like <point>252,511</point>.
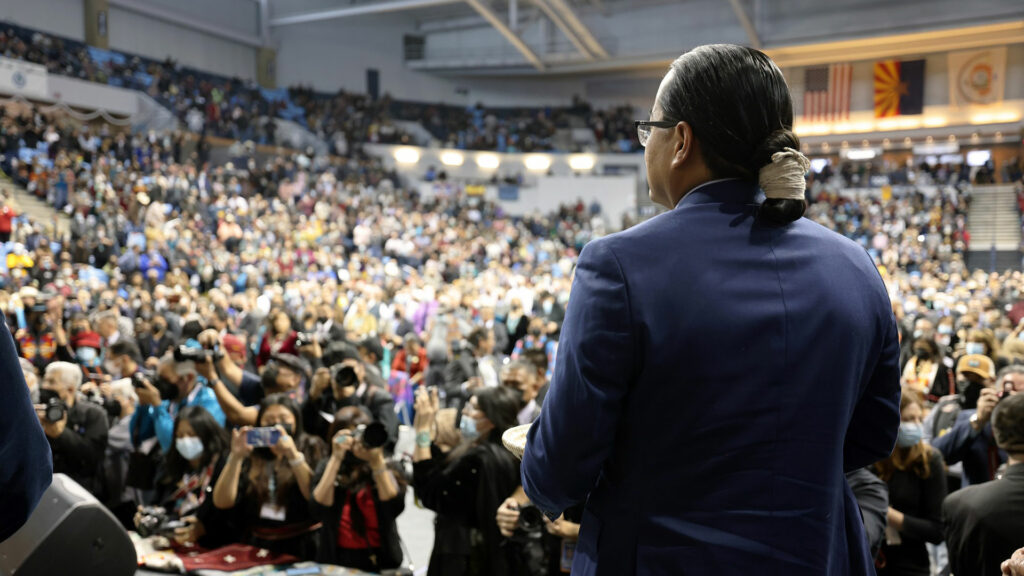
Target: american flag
<point>827,92</point>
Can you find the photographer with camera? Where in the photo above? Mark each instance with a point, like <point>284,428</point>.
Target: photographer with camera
<point>266,482</point>
<point>960,424</point>
<point>359,496</point>
<point>465,486</point>
<point>346,384</point>
<point>176,386</point>
<point>77,430</point>
<point>285,374</point>
<point>983,523</point>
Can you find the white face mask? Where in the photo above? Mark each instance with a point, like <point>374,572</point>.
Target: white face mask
<point>190,447</point>
<point>974,348</point>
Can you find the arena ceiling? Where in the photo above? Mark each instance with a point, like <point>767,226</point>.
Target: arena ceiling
<point>534,37</point>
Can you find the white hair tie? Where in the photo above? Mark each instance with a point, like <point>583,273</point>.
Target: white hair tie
<point>783,177</point>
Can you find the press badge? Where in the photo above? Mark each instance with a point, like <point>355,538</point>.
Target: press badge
<point>568,551</point>
<point>272,512</point>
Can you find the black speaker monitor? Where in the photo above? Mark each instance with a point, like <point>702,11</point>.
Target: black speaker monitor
<point>70,532</point>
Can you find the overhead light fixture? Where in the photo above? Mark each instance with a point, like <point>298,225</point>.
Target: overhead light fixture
<point>407,155</point>
<point>866,154</point>
<point>864,143</point>
<point>452,158</point>
<point>885,142</point>
<point>537,162</point>
<point>488,161</point>
<point>581,162</point>
<point>952,138</point>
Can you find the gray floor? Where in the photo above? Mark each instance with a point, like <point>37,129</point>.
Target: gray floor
<point>416,524</point>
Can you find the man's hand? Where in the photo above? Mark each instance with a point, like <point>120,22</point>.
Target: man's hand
<point>147,393</point>
<point>1015,565</point>
<point>152,363</point>
<point>562,528</point>
<point>986,404</point>
<point>191,532</point>
<point>209,339</point>
<point>206,369</point>
<point>51,429</point>
<point>473,383</point>
<point>321,382</point>
<point>508,517</point>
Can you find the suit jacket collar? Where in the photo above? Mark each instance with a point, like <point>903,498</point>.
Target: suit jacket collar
<point>726,191</point>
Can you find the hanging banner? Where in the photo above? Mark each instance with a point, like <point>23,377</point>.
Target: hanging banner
<point>22,78</point>
<point>977,76</point>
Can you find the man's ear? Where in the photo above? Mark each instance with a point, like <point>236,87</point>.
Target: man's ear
<point>684,145</point>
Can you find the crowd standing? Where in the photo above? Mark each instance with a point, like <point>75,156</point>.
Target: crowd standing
<point>240,343</point>
<point>235,108</point>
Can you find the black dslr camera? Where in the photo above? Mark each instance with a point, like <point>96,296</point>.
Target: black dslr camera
<point>154,521</point>
<point>56,409</point>
<point>530,525</point>
<point>167,390</point>
<point>185,353</point>
<point>372,435</point>
<point>345,376</point>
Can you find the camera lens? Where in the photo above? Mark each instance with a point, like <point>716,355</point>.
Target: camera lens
<point>346,377</point>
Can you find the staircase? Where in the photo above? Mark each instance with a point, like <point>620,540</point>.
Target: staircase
<point>995,227</point>
<point>35,209</point>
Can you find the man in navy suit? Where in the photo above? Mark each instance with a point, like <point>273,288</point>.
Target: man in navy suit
<point>26,467</point>
<point>723,364</point>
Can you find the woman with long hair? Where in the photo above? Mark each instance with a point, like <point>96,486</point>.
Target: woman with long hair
<point>280,338</point>
<point>916,475</point>
<point>268,488</point>
<point>190,469</point>
<point>358,497</point>
<point>466,485</point>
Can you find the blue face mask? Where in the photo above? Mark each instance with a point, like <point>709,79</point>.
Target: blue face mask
<point>87,357</point>
<point>909,435</point>
<point>468,428</point>
<point>974,348</point>
<point>189,447</point>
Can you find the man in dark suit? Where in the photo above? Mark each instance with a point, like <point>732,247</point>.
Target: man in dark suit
<point>723,364</point>
<point>27,464</point>
<point>985,522</point>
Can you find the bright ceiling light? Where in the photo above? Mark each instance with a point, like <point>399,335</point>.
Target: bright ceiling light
<point>452,158</point>
<point>487,161</point>
<point>860,154</point>
<point>537,162</point>
<point>581,162</point>
<point>407,155</point>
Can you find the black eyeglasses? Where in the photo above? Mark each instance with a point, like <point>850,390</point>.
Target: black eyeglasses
<point>643,128</point>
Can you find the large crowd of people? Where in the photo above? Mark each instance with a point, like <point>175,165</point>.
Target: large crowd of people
<point>239,109</point>
<point>239,344</point>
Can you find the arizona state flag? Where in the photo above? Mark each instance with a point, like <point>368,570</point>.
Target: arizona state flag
<point>899,88</point>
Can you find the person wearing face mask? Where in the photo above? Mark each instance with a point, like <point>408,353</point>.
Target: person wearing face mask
<point>537,339</point>
<point>347,383</point>
<point>358,496</point>
<point>156,343</point>
<point>184,486</point>
<point>517,324</point>
<point>466,486</point>
<point>959,425</point>
<point>928,372</point>
<point>176,386</point>
<point>284,375</point>
<point>981,342</point>
<point>267,488</point>
<point>120,498</point>
<point>945,336</point>
<point>916,476</point>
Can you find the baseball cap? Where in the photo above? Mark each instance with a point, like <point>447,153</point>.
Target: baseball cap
<point>976,364</point>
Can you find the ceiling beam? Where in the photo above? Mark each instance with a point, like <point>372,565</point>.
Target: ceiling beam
<point>566,30</point>
<point>361,10</point>
<point>744,18</point>
<point>505,31</point>
<point>172,17</point>
<point>578,27</point>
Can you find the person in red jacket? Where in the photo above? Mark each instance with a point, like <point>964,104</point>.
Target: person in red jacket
<point>7,216</point>
<point>411,359</point>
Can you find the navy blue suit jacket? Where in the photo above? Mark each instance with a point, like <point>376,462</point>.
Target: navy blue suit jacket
<point>715,379</point>
<point>26,466</point>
